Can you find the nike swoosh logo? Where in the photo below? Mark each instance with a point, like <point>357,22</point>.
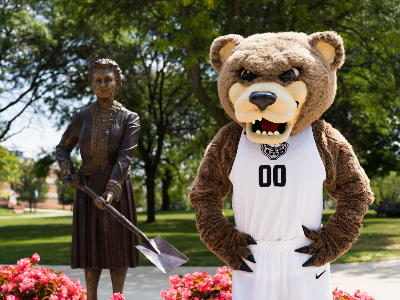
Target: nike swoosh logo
<point>318,276</point>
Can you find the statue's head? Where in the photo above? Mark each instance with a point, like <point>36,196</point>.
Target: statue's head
<point>105,76</point>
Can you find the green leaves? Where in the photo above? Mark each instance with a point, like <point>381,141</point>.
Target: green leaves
<point>9,171</point>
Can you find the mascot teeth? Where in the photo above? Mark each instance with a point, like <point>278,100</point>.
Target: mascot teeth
<point>269,127</point>
<point>258,132</point>
<point>264,133</point>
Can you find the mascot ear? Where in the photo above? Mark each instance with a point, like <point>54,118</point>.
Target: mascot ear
<point>330,44</point>
<point>222,48</point>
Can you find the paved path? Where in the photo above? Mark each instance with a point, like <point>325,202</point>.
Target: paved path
<point>381,279</point>
<point>49,213</point>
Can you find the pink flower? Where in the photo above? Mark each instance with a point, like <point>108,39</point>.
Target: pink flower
<point>185,293</point>
<point>23,263</point>
<point>171,294</point>
<point>18,281</point>
<point>358,295</point>
<point>35,258</point>
<point>117,296</point>
<point>7,287</point>
<point>225,294</point>
<point>219,287</point>
<point>27,284</point>
<point>174,280</point>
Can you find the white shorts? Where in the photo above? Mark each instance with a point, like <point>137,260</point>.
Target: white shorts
<point>278,274</point>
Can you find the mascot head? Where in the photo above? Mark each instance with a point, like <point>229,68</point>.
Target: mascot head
<point>276,84</point>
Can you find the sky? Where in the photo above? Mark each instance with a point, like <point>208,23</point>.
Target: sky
<point>38,128</point>
<point>41,134</point>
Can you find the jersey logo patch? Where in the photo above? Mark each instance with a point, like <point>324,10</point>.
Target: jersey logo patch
<point>274,152</point>
<point>318,276</point>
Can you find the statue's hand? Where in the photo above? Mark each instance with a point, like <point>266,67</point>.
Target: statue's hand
<point>108,196</point>
<point>97,202</point>
<point>75,178</point>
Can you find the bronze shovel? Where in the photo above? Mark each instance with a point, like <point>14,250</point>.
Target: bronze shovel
<point>157,250</point>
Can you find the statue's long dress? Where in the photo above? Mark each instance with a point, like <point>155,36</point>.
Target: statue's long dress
<point>107,146</point>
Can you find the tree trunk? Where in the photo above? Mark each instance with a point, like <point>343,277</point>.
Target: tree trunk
<point>166,183</point>
<point>151,201</point>
<point>194,79</point>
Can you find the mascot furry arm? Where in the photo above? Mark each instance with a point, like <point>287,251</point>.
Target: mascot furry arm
<point>211,186</point>
<point>347,183</point>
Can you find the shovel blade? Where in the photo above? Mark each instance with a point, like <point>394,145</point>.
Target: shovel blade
<point>167,258</point>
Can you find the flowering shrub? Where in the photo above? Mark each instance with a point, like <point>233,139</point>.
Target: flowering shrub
<point>30,281</point>
<point>117,296</point>
<point>340,295</point>
<point>200,285</point>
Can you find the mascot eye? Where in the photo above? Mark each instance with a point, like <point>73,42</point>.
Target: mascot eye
<point>247,75</point>
<point>292,74</point>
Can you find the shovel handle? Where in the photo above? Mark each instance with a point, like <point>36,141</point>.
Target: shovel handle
<point>116,214</point>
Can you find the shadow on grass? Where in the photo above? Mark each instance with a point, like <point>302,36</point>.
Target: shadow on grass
<point>33,232</point>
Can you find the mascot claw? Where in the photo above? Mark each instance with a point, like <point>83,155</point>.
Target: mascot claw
<point>303,250</point>
<point>251,241</point>
<point>309,263</point>
<point>251,259</point>
<point>245,268</point>
<point>306,231</point>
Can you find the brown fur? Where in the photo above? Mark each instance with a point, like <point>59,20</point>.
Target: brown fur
<point>209,189</point>
<point>347,183</point>
<point>269,55</point>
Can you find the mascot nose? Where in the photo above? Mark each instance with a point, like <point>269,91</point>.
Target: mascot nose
<point>262,99</point>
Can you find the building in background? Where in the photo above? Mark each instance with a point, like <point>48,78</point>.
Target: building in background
<point>7,194</point>
<point>52,196</point>
<point>8,197</point>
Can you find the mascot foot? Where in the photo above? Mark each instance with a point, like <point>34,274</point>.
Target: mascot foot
<point>245,268</point>
<point>303,250</point>
<point>251,259</point>
<point>308,263</point>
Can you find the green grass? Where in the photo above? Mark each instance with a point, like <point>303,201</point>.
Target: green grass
<point>4,212</point>
<point>51,238</point>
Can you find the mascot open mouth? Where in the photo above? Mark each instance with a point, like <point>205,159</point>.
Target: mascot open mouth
<point>265,127</point>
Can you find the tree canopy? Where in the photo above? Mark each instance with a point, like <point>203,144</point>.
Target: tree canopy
<point>162,48</point>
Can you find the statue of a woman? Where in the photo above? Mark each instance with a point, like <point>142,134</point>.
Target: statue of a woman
<point>107,135</point>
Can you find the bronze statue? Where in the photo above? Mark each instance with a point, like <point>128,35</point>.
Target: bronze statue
<point>107,135</point>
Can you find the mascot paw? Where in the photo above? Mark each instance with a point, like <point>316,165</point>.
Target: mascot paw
<point>324,249</point>
<point>234,258</point>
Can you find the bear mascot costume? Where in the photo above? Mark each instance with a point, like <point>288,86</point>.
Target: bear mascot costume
<point>278,155</point>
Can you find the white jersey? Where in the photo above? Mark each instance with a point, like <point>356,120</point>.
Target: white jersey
<point>278,188</point>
